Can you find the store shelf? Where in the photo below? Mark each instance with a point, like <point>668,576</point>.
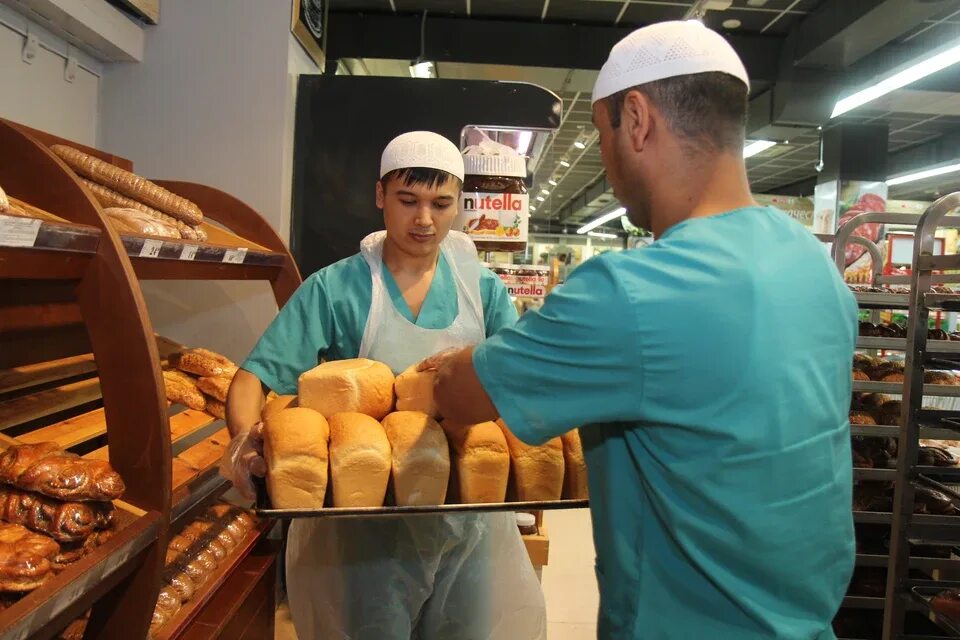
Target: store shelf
<point>922,595</point>
<point>943,301</point>
<point>882,300</point>
<point>164,259</point>
<point>896,388</point>
<point>900,344</point>
<point>48,606</point>
<point>862,602</point>
<point>874,474</point>
<point>927,564</point>
<point>188,612</point>
<point>873,517</point>
<point>887,431</point>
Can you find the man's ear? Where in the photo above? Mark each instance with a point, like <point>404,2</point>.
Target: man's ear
<point>636,119</point>
<point>380,194</point>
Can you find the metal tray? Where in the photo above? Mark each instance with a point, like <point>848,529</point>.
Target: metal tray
<point>896,388</point>
<point>923,595</point>
<point>266,510</point>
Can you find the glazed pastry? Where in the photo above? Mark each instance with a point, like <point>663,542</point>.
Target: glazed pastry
<point>46,469</point>
<point>860,375</point>
<point>889,413</point>
<point>861,418</point>
<point>931,501</point>
<point>160,618</point>
<point>168,600</point>
<point>62,521</point>
<point>872,496</point>
<point>937,334</point>
<point>203,362</point>
<point>868,329</point>
<point>25,558</point>
<point>863,362</point>
<point>180,581</point>
<point>935,457</point>
<point>939,377</point>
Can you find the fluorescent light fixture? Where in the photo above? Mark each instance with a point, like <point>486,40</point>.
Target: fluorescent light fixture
<point>607,217</point>
<point>580,144</point>
<point>545,192</point>
<point>540,198</point>
<point>911,74</point>
<point>523,142</point>
<point>422,70</point>
<point>926,173</point>
<point>564,162</point>
<point>581,141</point>
<point>598,234</point>
<point>552,181</point>
<point>754,147</point>
<point>532,208</point>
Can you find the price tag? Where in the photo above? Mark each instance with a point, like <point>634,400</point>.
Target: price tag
<point>235,256</point>
<point>151,248</point>
<point>189,252</point>
<point>18,232</point>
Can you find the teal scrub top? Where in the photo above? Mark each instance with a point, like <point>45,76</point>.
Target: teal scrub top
<point>710,375</point>
<point>326,316</point>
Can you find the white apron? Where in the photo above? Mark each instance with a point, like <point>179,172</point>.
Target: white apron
<point>453,577</point>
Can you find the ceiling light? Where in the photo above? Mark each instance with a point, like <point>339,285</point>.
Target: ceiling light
<point>911,74</point>
<point>754,147</point>
<point>598,234</point>
<point>731,24</point>
<point>552,181</point>
<point>545,192</point>
<point>580,144</point>
<point>523,142</point>
<point>607,217</point>
<point>532,208</point>
<point>540,198</point>
<point>422,70</point>
<point>756,3</point>
<point>564,162</point>
<point>920,175</point>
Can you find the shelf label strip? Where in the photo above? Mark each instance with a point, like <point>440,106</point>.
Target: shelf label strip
<point>151,249</point>
<point>19,232</point>
<point>189,252</point>
<point>235,256</point>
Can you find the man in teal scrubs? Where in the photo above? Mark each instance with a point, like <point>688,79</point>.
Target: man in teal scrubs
<point>709,373</point>
<point>413,290</point>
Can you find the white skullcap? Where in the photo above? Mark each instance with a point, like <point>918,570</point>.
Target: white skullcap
<point>665,50</point>
<point>421,149</point>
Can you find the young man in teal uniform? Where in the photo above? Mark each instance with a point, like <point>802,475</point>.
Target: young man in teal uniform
<point>709,372</point>
<point>413,290</point>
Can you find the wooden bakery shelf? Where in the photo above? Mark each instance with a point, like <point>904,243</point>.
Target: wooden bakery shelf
<point>80,365</point>
<point>179,623</point>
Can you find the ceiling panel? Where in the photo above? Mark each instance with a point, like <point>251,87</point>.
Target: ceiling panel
<point>528,9</point>
<point>582,12</point>
<point>360,5</point>
<point>433,7</point>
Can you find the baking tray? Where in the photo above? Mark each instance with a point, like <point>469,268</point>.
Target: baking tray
<point>266,510</point>
<point>896,388</point>
<point>900,344</point>
<point>882,300</point>
<point>923,595</point>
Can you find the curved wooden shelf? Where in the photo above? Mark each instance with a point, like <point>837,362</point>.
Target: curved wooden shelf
<point>92,303</point>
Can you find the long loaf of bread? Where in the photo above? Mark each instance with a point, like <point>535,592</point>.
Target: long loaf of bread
<point>296,453</point>
<point>421,458</point>
<point>537,470</point>
<point>359,460</point>
<point>109,198</point>
<point>129,184</point>
<point>575,474</point>
<point>481,461</point>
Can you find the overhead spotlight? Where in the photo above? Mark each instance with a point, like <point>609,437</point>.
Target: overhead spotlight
<point>552,181</point>
<point>581,141</point>
<point>422,69</point>
<point>540,198</point>
<point>564,162</point>
<point>545,192</point>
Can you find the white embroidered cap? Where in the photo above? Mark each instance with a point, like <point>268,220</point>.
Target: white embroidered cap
<point>665,50</point>
<point>421,149</point>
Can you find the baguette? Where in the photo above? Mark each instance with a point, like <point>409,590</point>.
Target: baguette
<point>215,408</point>
<point>420,458</point>
<point>110,199</point>
<point>215,386</point>
<point>182,389</point>
<point>138,222</point>
<point>575,474</point>
<point>537,471</point>
<point>481,461</point>
<point>129,184</point>
<point>296,452</point>
<point>203,362</point>
<point>359,460</point>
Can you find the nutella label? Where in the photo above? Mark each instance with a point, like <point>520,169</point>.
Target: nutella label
<point>494,217</point>
<point>525,281</point>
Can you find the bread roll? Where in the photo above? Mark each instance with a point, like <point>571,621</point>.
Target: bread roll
<point>481,461</point>
<point>359,460</point>
<point>421,458</point>
<point>296,453</point>
<point>277,404</point>
<point>575,472</point>
<point>346,386</point>
<point>537,471</point>
<point>414,391</point>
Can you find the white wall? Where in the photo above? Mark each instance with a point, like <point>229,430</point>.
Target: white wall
<point>212,102</point>
<point>37,95</point>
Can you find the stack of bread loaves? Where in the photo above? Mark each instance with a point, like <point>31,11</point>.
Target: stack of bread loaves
<point>120,190</point>
<point>342,430</point>
<point>200,379</point>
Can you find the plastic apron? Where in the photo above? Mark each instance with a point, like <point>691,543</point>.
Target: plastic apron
<point>451,577</point>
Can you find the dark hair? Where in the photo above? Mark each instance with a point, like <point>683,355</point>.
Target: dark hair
<point>412,176</point>
<point>707,109</point>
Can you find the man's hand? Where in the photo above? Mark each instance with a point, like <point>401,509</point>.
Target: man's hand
<point>457,391</point>
<point>437,360</point>
<point>244,458</point>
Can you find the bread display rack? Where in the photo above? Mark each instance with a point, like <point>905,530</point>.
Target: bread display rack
<point>80,365</point>
<point>902,610</point>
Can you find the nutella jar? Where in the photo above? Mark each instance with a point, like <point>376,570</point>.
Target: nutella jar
<point>494,206</point>
<point>527,523</point>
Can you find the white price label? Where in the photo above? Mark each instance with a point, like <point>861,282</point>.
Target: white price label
<point>189,252</point>
<point>151,248</point>
<point>235,256</point>
<point>18,232</point>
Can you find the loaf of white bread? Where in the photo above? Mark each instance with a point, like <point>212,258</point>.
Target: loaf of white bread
<point>296,453</point>
<point>348,386</point>
<point>537,470</point>
<point>481,461</point>
<point>420,457</point>
<point>277,404</point>
<point>575,475</point>
<point>359,460</point>
<point>414,390</point>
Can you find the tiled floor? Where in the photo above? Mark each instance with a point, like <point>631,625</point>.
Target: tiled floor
<point>569,584</point>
